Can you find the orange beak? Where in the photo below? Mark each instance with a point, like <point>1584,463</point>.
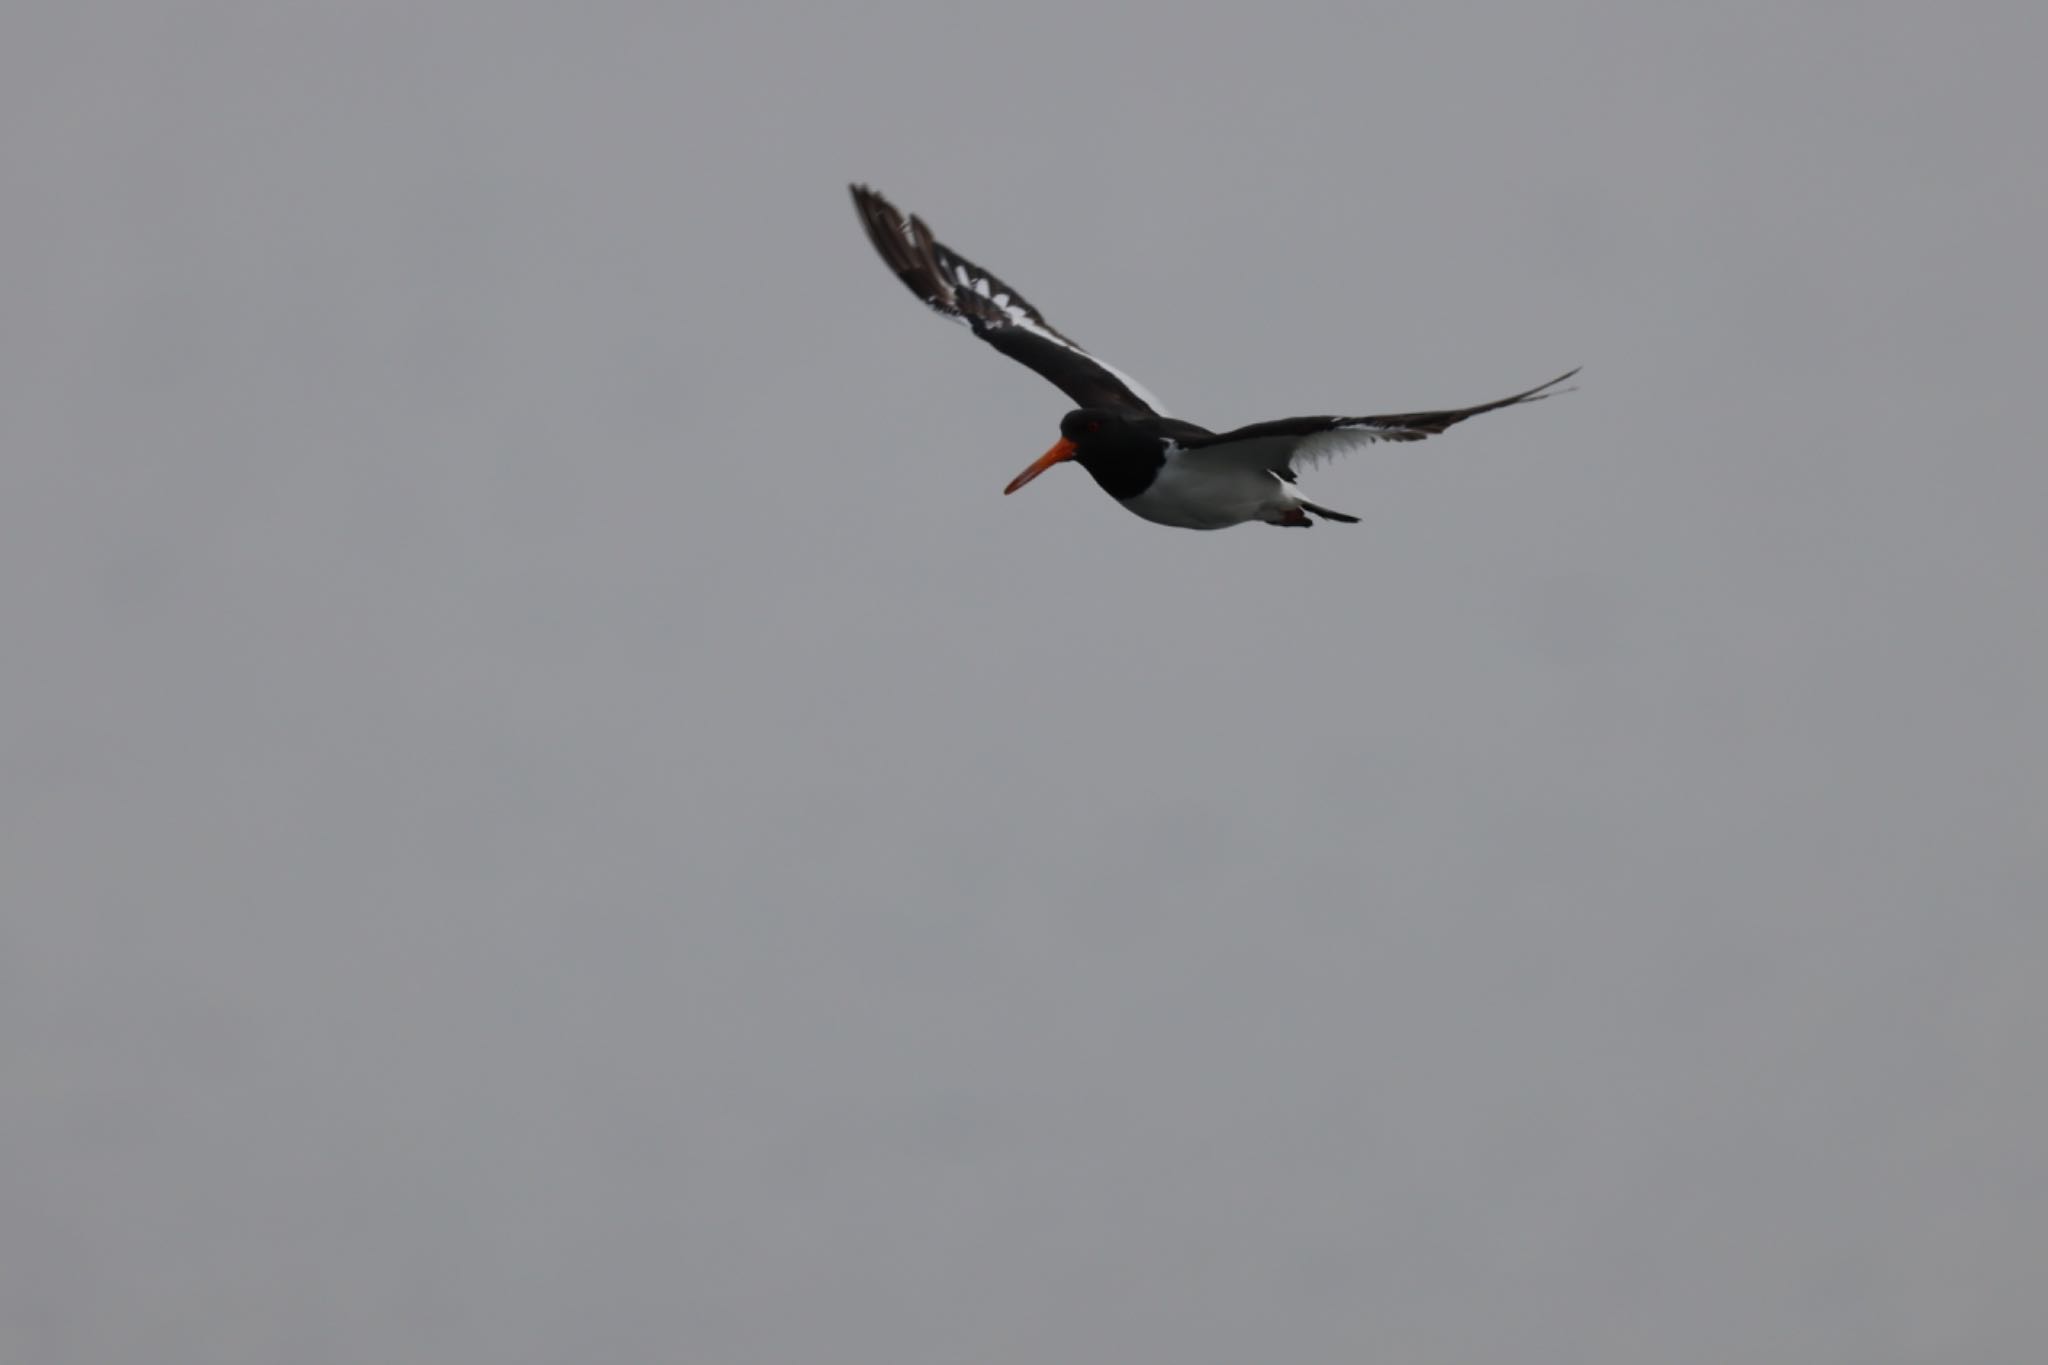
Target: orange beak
<point>1063,450</point>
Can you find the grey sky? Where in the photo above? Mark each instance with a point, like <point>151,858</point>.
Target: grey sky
<point>552,811</point>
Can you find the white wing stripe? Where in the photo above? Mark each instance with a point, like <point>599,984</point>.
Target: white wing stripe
<point>1327,445</point>
<point>1029,321</point>
<point>968,278</point>
<point>1037,328</point>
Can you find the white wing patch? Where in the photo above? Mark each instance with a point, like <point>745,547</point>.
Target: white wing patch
<point>1026,318</point>
<point>1016,312</point>
<point>1342,440</point>
<point>1283,455</point>
<point>955,287</point>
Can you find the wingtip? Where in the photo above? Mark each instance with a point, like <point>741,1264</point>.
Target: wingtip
<point>884,219</point>
<point>867,201</point>
<point>867,196</point>
<point>1548,389</point>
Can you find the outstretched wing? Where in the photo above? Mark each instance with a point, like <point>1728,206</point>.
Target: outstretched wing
<point>963,291</point>
<point>1284,445</point>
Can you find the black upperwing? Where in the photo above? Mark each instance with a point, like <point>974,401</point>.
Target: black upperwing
<point>959,289</point>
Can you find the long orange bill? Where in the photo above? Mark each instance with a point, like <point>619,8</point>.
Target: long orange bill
<point>1064,450</point>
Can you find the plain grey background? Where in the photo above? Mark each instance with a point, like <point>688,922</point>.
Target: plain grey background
<point>550,811</point>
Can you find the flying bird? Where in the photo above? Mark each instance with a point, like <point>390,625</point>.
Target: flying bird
<point>1161,468</point>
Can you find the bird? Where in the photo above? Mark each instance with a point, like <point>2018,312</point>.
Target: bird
<point>1163,469</point>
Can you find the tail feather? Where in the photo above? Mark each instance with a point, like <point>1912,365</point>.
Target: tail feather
<point>1326,514</point>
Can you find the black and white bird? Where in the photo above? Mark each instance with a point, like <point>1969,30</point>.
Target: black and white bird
<point>1163,469</point>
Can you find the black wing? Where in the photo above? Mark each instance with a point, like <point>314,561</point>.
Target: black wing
<point>1280,445</point>
<point>963,291</point>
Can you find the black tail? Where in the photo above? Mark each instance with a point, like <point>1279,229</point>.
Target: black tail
<point>1326,514</point>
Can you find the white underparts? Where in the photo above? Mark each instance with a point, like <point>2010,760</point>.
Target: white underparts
<point>1200,493</point>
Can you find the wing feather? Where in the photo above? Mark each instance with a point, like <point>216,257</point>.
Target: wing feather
<point>957,288</point>
<point>1292,442</point>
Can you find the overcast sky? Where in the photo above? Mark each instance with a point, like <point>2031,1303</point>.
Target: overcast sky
<point>550,810</point>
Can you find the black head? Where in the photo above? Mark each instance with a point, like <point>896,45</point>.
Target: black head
<point>1114,446</point>
<point>1094,426</point>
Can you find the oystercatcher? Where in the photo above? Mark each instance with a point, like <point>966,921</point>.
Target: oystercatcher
<point>1163,469</point>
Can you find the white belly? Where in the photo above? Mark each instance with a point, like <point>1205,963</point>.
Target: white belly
<point>1207,495</point>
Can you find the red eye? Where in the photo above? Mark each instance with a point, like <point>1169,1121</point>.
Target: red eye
<point>1092,427</point>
